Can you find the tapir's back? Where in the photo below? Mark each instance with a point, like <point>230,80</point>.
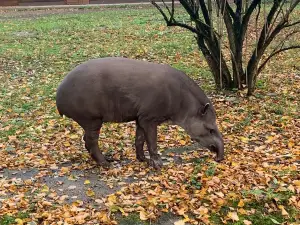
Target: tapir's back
<point>119,89</point>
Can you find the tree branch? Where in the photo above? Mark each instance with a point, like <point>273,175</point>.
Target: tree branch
<point>189,10</point>
<point>283,18</point>
<point>167,7</point>
<point>275,53</point>
<point>285,39</point>
<point>171,21</point>
<point>205,13</point>
<point>249,11</point>
<point>160,10</point>
<point>291,24</point>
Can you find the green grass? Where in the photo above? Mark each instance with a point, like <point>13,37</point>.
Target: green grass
<point>132,219</point>
<point>7,219</point>
<point>261,215</point>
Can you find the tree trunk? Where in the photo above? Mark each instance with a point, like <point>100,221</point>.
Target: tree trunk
<point>236,20</point>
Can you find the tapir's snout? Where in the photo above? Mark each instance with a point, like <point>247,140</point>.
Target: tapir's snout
<point>219,150</point>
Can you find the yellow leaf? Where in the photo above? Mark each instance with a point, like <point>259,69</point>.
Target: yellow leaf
<point>241,203</point>
<point>247,222</point>
<point>233,216</point>
<point>242,211</point>
<point>182,142</point>
<point>112,199</point>
<point>80,218</point>
<point>203,210</point>
<point>45,189</point>
<point>220,194</point>
<point>269,139</point>
<point>220,201</point>
<point>64,169</point>
<point>234,164</point>
<point>87,182</point>
<point>291,188</point>
<point>123,212</point>
<point>244,139</point>
<point>19,221</point>
<point>71,177</point>
<point>181,211</point>
<point>90,193</point>
<point>67,144</point>
<point>283,211</point>
<point>291,144</point>
<point>297,183</point>
<point>42,162</point>
<point>143,215</point>
<point>179,222</point>
<point>162,138</point>
<point>74,136</point>
<point>103,217</point>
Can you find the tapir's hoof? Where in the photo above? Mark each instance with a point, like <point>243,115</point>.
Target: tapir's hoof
<point>219,159</point>
<point>141,158</point>
<point>105,164</point>
<point>156,163</point>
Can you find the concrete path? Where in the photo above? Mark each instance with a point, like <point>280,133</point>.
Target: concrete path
<point>115,3</point>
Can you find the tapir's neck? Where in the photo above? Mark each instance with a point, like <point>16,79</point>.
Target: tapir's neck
<point>188,108</point>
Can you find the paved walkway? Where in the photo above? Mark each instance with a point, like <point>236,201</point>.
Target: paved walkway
<point>114,3</point>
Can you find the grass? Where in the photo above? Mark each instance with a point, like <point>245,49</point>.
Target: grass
<point>8,219</point>
<point>260,215</point>
<point>36,53</point>
<point>132,219</point>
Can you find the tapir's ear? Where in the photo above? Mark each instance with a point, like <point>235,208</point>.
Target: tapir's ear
<point>204,109</point>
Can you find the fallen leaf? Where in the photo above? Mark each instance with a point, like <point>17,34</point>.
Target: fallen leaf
<point>143,215</point>
<point>297,183</point>
<point>19,221</point>
<point>64,170</point>
<point>90,193</point>
<point>283,211</point>
<point>182,142</point>
<point>233,216</point>
<point>247,222</point>
<point>275,221</point>
<point>179,222</point>
<point>241,203</point>
<point>45,189</point>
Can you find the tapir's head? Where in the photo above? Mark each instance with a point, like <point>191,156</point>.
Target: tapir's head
<point>201,126</point>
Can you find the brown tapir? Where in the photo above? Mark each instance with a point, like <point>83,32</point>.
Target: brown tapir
<point>116,89</point>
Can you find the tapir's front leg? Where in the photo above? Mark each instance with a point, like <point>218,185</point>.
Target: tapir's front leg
<point>150,130</point>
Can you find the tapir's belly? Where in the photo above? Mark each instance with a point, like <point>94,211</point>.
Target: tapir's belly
<point>95,103</point>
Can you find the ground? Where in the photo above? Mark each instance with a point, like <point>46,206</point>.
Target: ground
<point>47,177</point>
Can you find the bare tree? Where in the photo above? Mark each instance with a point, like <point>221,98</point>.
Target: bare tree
<point>235,72</point>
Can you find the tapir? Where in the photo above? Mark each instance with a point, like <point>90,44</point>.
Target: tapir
<point>117,89</point>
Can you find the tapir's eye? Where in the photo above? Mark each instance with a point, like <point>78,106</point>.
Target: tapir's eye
<point>211,131</point>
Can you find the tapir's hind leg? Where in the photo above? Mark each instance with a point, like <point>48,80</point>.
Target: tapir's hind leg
<point>139,143</point>
<point>91,135</point>
<point>84,138</point>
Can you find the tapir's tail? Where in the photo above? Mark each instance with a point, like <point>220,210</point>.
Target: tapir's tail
<point>57,108</point>
<point>60,113</point>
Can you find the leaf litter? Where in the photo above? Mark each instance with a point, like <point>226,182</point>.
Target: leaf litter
<point>261,140</point>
